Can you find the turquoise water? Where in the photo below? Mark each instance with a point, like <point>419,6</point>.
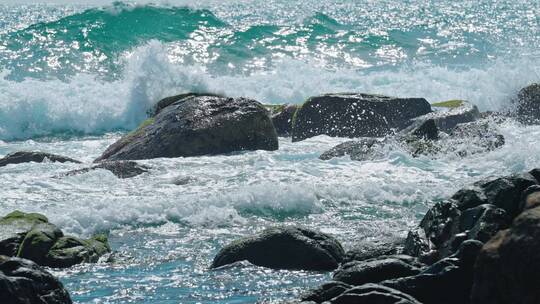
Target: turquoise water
<point>75,77</point>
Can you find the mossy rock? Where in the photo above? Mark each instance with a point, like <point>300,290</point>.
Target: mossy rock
<point>454,103</point>
<point>69,251</point>
<point>18,216</point>
<point>31,236</point>
<point>37,243</point>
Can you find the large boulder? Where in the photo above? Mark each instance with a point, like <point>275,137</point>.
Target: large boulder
<point>528,104</point>
<point>377,270</point>
<point>284,248</point>
<point>24,282</point>
<point>355,115</point>
<point>36,157</point>
<point>198,125</point>
<point>373,294</point>
<point>31,236</point>
<point>508,267</point>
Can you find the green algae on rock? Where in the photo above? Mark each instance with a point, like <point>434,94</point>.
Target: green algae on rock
<point>31,236</point>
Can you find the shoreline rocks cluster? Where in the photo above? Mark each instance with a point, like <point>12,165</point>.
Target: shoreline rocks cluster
<point>477,247</point>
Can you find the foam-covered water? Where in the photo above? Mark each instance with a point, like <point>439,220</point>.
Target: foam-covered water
<point>75,77</point>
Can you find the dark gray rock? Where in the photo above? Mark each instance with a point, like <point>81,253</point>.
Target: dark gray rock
<point>503,192</point>
<point>198,125</point>
<point>31,236</point>
<point>355,115</point>
<point>120,168</point>
<point>441,224</point>
<point>284,248</point>
<point>483,222</point>
<point>425,129</point>
<point>449,114</point>
<point>24,282</point>
<point>417,244</point>
<point>445,227</point>
<point>507,269</point>
<point>282,117</point>
<point>448,281</point>
<point>528,104</point>
<point>373,294</point>
<point>376,270</point>
<point>326,292</point>
<point>37,157</point>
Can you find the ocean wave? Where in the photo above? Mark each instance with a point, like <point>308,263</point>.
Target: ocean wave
<point>86,104</point>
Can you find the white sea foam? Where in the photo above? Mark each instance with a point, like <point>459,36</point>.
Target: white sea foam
<point>87,105</point>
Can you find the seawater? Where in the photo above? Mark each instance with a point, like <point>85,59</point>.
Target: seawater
<point>75,77</point>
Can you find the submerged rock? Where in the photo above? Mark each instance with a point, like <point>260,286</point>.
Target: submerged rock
<point>355,115</point>
<point>284,248</point>
<point>31,236</point>
<point>198,125</point>
<point>528,104</point>
<point>508,266</point>
<point>24,282</point>
<point>121,168</point>
<point>449,114</point>
<point>423,138</point>
<point>37,157</point>
<point>282,118</point>
<point>361,149</point>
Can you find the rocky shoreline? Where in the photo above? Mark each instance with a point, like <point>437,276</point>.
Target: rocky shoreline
<point>475,247</point>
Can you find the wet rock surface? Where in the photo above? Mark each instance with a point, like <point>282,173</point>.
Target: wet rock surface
<point>355,115</point>
<point>198,125</point>
<point>24,282</point>
<point>36,157</point>
<point>284,248</point>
